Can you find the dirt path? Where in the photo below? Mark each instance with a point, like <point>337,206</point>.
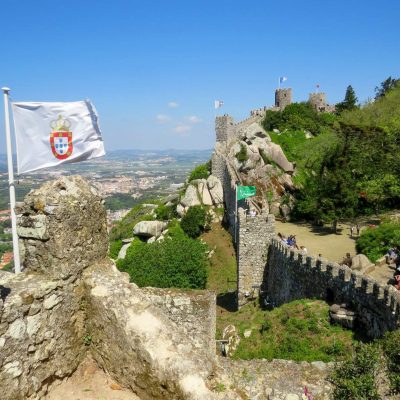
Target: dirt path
<point>320,240</point>
<point>90,383</point>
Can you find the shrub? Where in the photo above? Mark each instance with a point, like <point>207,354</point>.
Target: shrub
<point>242,154</point>
<point>115,247</point>
<point>193,221</point>
<point>356,378</point>
<point>201,171</point>
<point>374,242</point>
<point>391,346</point>
<point>123,229</point>
<point>166,213</point>
<point>178,262</point>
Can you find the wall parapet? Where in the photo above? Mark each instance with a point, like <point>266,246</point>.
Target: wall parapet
<point>290,275</point>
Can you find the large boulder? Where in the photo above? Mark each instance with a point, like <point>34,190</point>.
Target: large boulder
<point>361,263</point>
<point>253,131</point>
<point>275,154</point>
<point>149,228</point>
<point>191,197</point>
<point>205,196</point>
<point>216,190</point>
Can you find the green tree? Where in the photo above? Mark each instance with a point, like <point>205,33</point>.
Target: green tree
<point>178,262</point>
<point>330,194</point>
<point>349,102</point>
<point>193,222</point>
<point>201,171</point>
<point>387,85</point>
<point>356,378</point>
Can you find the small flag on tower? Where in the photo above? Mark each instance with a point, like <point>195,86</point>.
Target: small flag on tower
<point>282,79</point>
<point>218,104</point>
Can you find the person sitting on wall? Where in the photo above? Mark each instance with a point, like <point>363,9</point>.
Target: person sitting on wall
<point>391,255</point>
<point>303,249</point>
<point>347,260</point>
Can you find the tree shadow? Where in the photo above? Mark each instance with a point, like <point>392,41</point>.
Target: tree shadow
<point>227,301</point>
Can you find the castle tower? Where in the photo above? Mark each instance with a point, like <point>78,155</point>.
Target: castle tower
<point>283,97</point>
<point>223,126</point>
<point>318,101</point>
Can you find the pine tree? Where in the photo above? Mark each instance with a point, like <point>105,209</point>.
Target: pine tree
<point>349,102</point>
<point>387,85</point>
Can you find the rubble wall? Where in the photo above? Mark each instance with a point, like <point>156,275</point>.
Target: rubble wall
<point>70,299</point>
<point>62,229</point>
<point>289,275</point>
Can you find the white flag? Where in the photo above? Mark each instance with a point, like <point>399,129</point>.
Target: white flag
<point>49,134</point>
<point>218,104</point>
<point>282,79</point>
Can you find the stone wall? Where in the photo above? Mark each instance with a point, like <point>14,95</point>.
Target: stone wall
<point>221,169</point>
<point>62,229</point>
<point>70,300</point>
<point>283,97</point>
<point>254,235</point>
<point>223,127</point>
<point>289,275</point>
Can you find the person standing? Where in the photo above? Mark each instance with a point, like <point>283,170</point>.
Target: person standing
<point>358,227</point>
<point>351,231</point>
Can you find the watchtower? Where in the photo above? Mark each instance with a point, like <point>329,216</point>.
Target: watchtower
<point>318,101</point>
<point>223,127</point>
<point>283,97</point>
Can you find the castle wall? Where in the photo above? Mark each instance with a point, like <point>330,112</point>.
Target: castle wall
<point>318,101</point>
<point>70,300</point>
<point>220,169</point>
<point>62,229</point>
<point>252,249</point>
<point>289,275</point>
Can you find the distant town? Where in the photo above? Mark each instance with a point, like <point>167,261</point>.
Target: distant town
<point>123,178</point>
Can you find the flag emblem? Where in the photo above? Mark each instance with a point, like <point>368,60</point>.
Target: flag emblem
<point>61,138</point>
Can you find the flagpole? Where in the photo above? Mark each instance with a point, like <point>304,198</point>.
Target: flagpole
<point>11,184</point>
<point>236,212</point>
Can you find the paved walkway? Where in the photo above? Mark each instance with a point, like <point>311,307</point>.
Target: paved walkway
<point>320,240</point>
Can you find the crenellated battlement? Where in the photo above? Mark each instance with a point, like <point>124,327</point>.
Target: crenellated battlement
<point>291,275</point>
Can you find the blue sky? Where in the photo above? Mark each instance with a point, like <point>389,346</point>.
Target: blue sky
<point>154,68</point>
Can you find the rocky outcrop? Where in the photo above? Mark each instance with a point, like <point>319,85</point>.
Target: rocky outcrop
<point>361,262</point>
<point>71,299</point>
<point>207,192</point>
<point>149,229</point>
<point>191,197</point>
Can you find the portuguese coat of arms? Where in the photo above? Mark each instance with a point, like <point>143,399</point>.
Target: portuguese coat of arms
<point>61,138</point>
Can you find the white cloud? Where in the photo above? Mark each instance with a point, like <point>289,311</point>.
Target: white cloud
<point>173,104</point>
<point>193,119</point>
<point>182,128</point>
<point>162,118</point>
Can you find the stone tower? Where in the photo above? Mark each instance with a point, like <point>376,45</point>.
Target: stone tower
<point>223,127</point>
<point>283,97</point>
<point>318,101</point>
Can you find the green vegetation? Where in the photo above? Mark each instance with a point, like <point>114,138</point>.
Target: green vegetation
<point>356,378</point>
<point>299,330</point>
<point>349,102</point>
<point>193,222</point>
<point>124,228</point>
<point>179,262</point>
<point>165,213</point>
<point>115,247</point>
<point>391,354</point>
<point>298,116</point>
<point>386,86</point>
<point>201,171</point>
<point>374,242</point>
<point>120,201</point>
<point>242,155</point>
